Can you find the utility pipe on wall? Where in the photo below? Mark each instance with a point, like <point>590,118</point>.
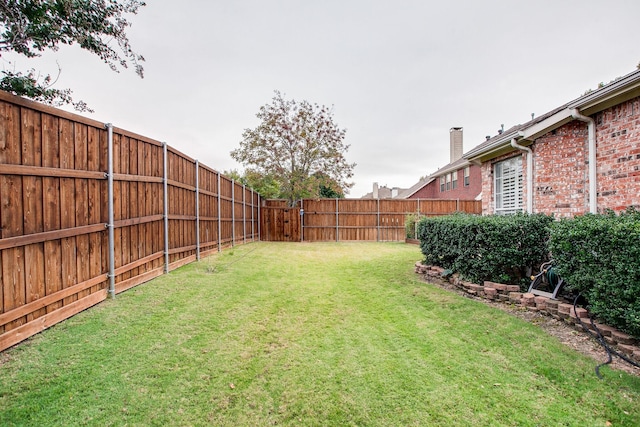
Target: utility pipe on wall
<point>514,144</point>
<point>593,188</point>
<point>110,225</point>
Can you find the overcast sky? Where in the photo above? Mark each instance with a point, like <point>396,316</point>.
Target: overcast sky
<point>399,74</point>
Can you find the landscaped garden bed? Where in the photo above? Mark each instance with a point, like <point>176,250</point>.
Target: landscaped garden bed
<point>558,317</point>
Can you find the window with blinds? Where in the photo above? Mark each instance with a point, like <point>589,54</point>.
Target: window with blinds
<point>508,185</point>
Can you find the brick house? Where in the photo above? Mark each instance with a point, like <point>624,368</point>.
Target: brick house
<point>460,179</point>
<point>581,157</point>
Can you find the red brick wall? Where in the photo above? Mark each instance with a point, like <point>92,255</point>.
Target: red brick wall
<point>618,158</point>
<point>561,176</point>
<point>470,192</point>
<point>429,191</point>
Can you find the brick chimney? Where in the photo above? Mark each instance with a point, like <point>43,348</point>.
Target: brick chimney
<point>455,138</point>
<point>375,190</point>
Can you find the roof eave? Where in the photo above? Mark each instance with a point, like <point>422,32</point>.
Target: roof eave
<point>537,130</point>
<point>497,148</point>
<point>452,168</point>
<point>411,192</point>
<point>621,90</point>
<point>625,88</point>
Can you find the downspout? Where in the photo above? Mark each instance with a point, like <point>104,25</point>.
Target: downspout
<point>593,188</point>
<point>514,144</point>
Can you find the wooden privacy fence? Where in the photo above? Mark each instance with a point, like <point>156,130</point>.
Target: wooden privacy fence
<point>379,220</point>
<point>88,210</point>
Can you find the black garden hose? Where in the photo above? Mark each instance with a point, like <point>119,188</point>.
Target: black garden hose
<point>600,338</point>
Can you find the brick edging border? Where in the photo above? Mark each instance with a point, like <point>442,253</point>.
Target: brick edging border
<point>511,294</point>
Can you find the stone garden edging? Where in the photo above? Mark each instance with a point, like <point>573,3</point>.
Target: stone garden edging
<point>511,294</point>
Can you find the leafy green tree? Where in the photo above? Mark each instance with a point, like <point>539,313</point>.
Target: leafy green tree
<point>266,185</point>
<point>294,141</point>
<point>29,27</point>
<point>327,187</point>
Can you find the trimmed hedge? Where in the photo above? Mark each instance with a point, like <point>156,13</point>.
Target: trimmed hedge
<point>497,248</point>
<point>599,256</point>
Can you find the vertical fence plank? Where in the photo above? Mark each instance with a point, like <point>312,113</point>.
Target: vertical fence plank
<point>68,204</point>
<point>81,205</point>
<point>134,207</point>
<point>122,166</point>
<point>11,220</point>
<point>32,202</point>
<point>94,207</point>
<point>51,208</point>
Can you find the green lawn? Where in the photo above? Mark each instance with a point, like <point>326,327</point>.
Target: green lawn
<point>305,334</point>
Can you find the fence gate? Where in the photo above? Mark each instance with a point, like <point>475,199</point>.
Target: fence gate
<point>280,224</point>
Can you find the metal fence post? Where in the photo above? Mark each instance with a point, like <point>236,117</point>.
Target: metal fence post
<point>253,233</point>
<point>219,217</point>
<point>165,183</point>
<point>337,223</point>
<point>111,225</point>
<point>378,219</point>
<point>233,212</point>
<point>197,210</point>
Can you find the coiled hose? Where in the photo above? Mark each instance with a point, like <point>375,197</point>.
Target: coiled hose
<point>600,338</point>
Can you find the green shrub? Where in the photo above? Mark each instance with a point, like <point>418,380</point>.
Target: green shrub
<point>599,256</point>
<point>410,225</point>
<point>498,248</point>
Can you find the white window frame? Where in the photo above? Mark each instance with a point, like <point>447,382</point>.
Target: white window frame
<point>454,180</point>
<point>466,176</point>
<point>507,186</point>
<point>442,184</point>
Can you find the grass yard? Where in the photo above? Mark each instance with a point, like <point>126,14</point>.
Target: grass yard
<point>309,335</point>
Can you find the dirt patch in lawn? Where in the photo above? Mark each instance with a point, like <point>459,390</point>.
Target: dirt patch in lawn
<point>568,334</point>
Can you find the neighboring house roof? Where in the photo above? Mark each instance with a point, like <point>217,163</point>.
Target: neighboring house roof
<point>405,194</point>
<point>454,166</point>
<point>616,92</point>
<point>451,167</point>
<point>385,192</point>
